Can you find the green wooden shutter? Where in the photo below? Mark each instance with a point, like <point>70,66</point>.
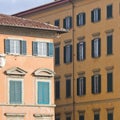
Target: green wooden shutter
<point>64,23</point>
<point>35,48</point>
<point>70,53</point>
<point>23,47</point>
<point>92,84</point>
<point>84,85</point>
<point>99,14</point>
<point>78,52</point>
<point>70,22</point>
<point>77,19</point>
<point>50,50</point>
<point>78,87</point>
<point>57,56</point>
<point>99,83</point>
<point>68,88</point>
<point>92,48</point>
<point>92,16</point>
<point>84,18</point>
<point>7,46</point>
<point>43,93</point>
<point>57,89</point>
<point>109,82</point>
<point>109,44</point>
<point>15,92</point>
<point>65,54</point>
<point>99,47</point>
<point>84,50</point>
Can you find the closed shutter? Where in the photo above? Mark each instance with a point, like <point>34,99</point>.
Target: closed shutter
<point>57,89</point>
<point>50,50</point>
<point>23,47</point>
<point>43,92</point>
<point>35,48</point>
<point>15,92</point>
<point>57,55</point>
<point>68,88</point>
<point>109,11</point>
<point>109,44</point>
<point>7,46</point>
<point>109,82</point>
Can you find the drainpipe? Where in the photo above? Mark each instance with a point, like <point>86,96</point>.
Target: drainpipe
<point>73,56</point>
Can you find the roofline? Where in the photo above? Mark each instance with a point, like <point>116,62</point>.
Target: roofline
<point>43,7</point>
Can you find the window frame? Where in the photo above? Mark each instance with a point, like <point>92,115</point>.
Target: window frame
<point>98,115</point>
<point>109,15</point>
<point>67,22</point>
<point>22,83</point>
<point>81,19</point>
<point>57,22</point>
<point>43,80</point>
<point>110,79</point>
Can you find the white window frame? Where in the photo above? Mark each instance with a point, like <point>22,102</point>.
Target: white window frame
<point>43,80</point>
<point>15,79</point>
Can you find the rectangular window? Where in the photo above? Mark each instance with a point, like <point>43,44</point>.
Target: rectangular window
<point>57,23</point>
<point>110,115</point>
<point>81,19</point>
<point>16,47</point>
<point>96,15</point>
<point>96,116</point>
<point>109,45</point>
<point>96,47</point>
<point>57,55</point>
<point>57,89</point>
<point>81,51</point>
<point>67,23</point>
<point>68,88</point>
<point>81,86</point>
<point>68,117</point>
<point>67,53</point>
<point>43,49</point>
<point>96,84</point>
<point>109,82</point>
<point>15,92</point>
<point>109,11</point>
<point>81,116</point>
<point>43,92</point>
<point>57,117</point>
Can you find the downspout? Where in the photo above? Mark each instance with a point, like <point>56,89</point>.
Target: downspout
<point>73,56</point>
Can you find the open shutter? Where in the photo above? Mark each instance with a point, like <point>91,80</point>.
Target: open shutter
<point>12,92</point>
<point>64,23</point>
<point>110,82</point>
<point>35,48</point>
<point>78,87</point>
<point>7,46</point>
<point>23,47</point>
<point>40,93</point>
<point>46,93</point>
<point>70,53</point>
<point>92,16</point>
<point>77,18</point>
<point>99,47</point>
<point>99,14</point>
<point>99,83</point>
<point>57,89</point>
<point>68,88</point>
<point>50,50</point>
<point>78,52</point>
<point>84,85</point>
<point>109,44</point>
<point>57,55</point>
<point>92,48</point>
<point>92,84</point>
<point>65,54</point>
<point>70,22</point>
<point>84,50</point>
<point>84,18</point>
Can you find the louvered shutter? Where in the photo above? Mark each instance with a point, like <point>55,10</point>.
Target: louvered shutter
<point>92,48</point>
<point>109,82</point>
<point>109,44</point>
<point>57,89</point>
<point>99,14</point>
<point>57,55</point>
<point>7,45</point>
<point>84,18</point>
<point>92,85</point>
<point>84,85</point>
<point>35,48</point>
<point>68,88</point>
<point>78,87</point>
<point>109,11</point>
<point>99,83</point>
<point>50,50</point>
<point>70,22</point>
<point>70,53</point>
<point>92,16</point>
<point>12,92</point>
<point>65,54</point>
<point>64,23</point>
<point>23,47</point>
<point>46,93</point>
<point>77,18</point>
<point>99,47</point>
<point>84,50</point>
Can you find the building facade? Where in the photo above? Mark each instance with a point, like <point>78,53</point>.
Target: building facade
<point>26,69</point>
<point>86,58</point>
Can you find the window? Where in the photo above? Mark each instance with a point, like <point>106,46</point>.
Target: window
<point>109,44</point>
<point>67,23</point>
<point>68,117</point>
<point>109,82</point>
<point>57,55</point>
<point>67,53</point>
<point>96,47</point>
<point>13,46</point>
<point>15,91</point>
<point>57,117</point>
<point>109,11</point>
<point>81,51</point>
<point>68,88</point>
<point>96,115</point>
<point>81,86</point>
<point>96,15</point>
<point>110,114</point>
<point>57,89</point>
<point>96,84</point>
<point>81,116</point>
<point>81,19</point>
<point>57,23</point>
<point>43,49</point>
<point>43,92</point>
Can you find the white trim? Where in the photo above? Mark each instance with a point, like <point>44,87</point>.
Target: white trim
<point>15,79</point>
<point>36,90</point>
